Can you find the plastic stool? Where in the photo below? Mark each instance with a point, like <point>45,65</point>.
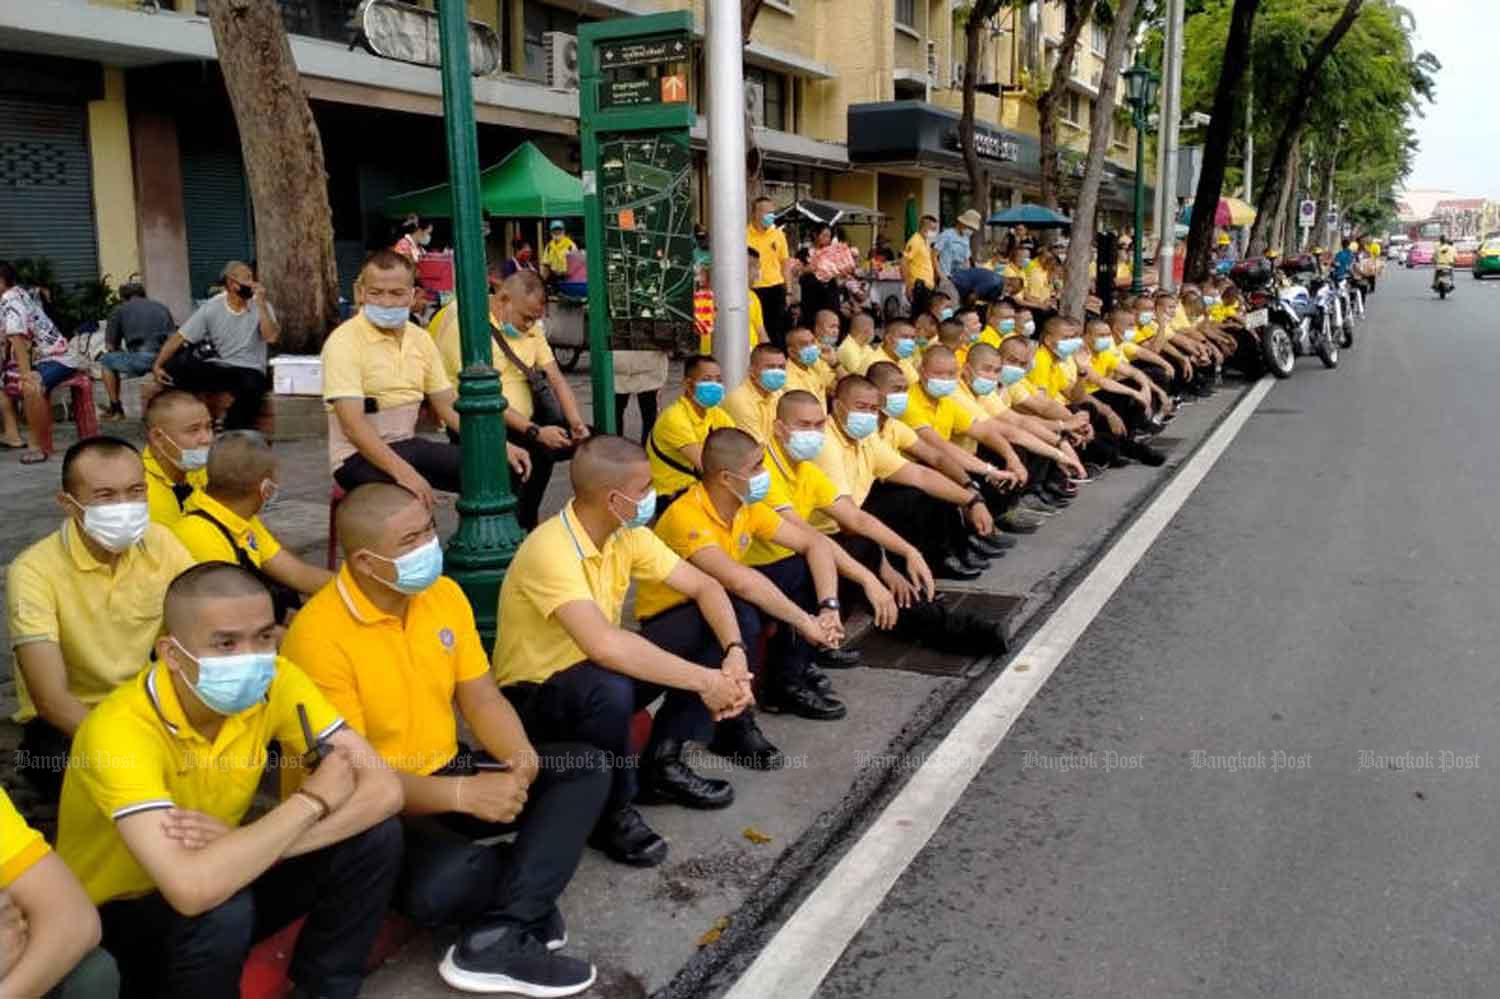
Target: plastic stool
<point>334,499</point>
<point>80,400</point>
<point>265,973</point>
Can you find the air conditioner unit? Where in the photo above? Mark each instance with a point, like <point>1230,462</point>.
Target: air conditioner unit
<point>562,60</point>
<point>932,63</point>
<point>958,75</point>
<point>755,103</point>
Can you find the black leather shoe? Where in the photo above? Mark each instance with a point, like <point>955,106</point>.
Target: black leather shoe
<point>972,558</point>
<point>669,780</point>
<point>625,838</point>
<point>818,680</point>
<point>987,547</point>
<point>1145,454</point>
<point>804,702</point>
<point>837,658</point>
<point>740,740</point>
<point>952,568</point>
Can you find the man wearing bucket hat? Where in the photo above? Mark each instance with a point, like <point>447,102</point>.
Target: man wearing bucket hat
<point>955,262</point>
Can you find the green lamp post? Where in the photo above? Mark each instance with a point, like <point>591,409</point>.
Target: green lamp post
<point>488,535</point>
<point>1140,94</point>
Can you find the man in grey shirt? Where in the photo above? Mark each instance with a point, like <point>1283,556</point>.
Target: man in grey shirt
<point>229,334</point>
<point>136,330</point>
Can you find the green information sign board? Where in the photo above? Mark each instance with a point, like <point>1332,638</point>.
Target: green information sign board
<point>634,118</point>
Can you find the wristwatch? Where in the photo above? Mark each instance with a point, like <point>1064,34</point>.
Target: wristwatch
<point>831,603</point>
<point>973,502</point>
<point>735,645</point>
<point>533,432</point>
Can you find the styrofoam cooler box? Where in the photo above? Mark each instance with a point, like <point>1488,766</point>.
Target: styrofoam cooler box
<point>297,374</point>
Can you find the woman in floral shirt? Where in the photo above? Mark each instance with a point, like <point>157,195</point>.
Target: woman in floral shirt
<point>38,359</point>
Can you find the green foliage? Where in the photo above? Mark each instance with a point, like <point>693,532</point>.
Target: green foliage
<point>88,301</point>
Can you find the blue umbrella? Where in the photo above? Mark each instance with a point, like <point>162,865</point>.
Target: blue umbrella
<point>1031,216</point>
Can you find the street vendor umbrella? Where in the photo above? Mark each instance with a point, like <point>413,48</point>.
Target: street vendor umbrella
<point>1230,211</point>
<point>526,184</point>
<point>1031,216</point>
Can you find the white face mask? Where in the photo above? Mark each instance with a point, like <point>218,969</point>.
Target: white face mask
<point>115,526</point>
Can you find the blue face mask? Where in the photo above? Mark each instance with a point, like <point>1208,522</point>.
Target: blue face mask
<point>804,445</point>
<point>1067,348</point>
<point>417,569</point>
<point>1145,318</point>
<point>230,684</point>
<point>905,347</point>
<point>708,394</point>
<point>923,341</point>
<point>983,386</point>
<point>946,314</point>
<point>759,486</point>
<point>1103,343</point>
<point>773,379</point>
<point>1130,334</point>
<point>768,219</point>
<point>1011,373</point>
<point>895,404</point>
<point>387,317</point>
<point>645,509</point>
<point>939,387</point>
<point>808,355</point>
<point>509,329</point>
<point>861,425</point>
<point>1007,326</point>
<point>1030,327</point>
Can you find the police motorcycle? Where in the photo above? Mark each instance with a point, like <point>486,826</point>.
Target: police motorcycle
<point>1315,301</point>
<point>1270,323</point>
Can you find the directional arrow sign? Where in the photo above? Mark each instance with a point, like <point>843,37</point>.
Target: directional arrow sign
<point>673,89</point>
<point>670,48</point>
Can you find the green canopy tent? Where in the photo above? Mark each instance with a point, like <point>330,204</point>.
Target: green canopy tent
<point>526,184</point>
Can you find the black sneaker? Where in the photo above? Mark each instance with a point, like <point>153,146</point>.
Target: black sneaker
<point>552,931</point>
<point>501,957</point>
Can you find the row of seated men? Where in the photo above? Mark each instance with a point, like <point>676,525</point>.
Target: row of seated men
<point>161,649</point>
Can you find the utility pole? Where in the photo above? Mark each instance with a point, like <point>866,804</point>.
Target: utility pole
<point>727,211</point>
<point>1166,172</point>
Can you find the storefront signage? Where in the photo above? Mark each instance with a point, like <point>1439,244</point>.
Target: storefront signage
<point>644,53</point>
<point>990,145</point>
<point>627,93</point>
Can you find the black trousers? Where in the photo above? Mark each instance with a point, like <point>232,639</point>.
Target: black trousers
<point>42,757</point>
<point>773,311</point>
<point>646,402</point>
<point>1105,447</point>
<point>440,464</point>
<point>1129,409</point>
<point>816,296</point>
<point>529,494</point>
<point>343,889</point>
<point>932,526</point>
<point>921,298</point>
<point>447,877</point>
<point>999,500</point>
<point>247,385</point>
<point>788,654</point>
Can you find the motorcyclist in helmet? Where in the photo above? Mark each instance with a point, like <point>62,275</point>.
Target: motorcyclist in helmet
<point>1447,257</point>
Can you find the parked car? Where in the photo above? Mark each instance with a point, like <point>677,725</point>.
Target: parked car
<point>1487,260</point>
<point>1467,250</point>
<point>1399,253</point>
<point>1421,254</point>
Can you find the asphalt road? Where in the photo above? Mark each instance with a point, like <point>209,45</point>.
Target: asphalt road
<point>1269,768</point>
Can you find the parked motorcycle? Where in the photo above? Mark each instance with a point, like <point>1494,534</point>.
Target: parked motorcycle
<point>1443,281</point>
<point>1317,307</point>
<point>1268,320</point>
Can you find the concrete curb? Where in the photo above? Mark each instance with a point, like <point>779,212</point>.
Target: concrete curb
<point>795,873</point>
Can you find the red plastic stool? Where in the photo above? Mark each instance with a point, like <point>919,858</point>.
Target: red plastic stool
<point>266,968</point>
<point>81,400</point>
<point>334,499</point>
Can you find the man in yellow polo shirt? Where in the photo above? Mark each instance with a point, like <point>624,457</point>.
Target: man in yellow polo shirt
<point>805,369</point>
<point>517,306</point>
<point>712,526</point>
<point>85,601</point>
<point>155,826</point>
<point>378,369</point>
<point>393,646</point>
<point>223,522</point>
<point>773,264</point>
<point>899,346</point>
<point>59,927</point>
<point>919,265</point>
<point>573,674</point>
<point>999,324</point>
<point>858,348</point>
<point>179,431</point>
<point>752,404</point>
<point>675,444</point>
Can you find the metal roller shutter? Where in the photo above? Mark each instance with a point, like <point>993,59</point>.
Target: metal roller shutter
<point>216,202</point>
<point>47,187</point>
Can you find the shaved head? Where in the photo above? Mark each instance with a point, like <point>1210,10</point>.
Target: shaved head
<point>728,448</point>
<point>364,514</point>
<point>524,284</point>
<point>851,385</point>
<point>164,406</point>
<point>208,581</point>
<point>237,465</point>
<point>936,354</point>
<point>792,403</point>
<point>604,463</point>
<point>886,376</point>
<point>982,353</point>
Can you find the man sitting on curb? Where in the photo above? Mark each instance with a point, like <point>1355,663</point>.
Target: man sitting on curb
<point>899,347</point>
<point>179,430</point>
<point>392,645</point>
<point>858,350</point>
<point>675,444</point>
<point>85,601</point>
<point>712,525</point>
<point>752,404</point>
<point>184,888</point>
<point>806,369</point>
<point>574,674</point>
<point>222,523</point>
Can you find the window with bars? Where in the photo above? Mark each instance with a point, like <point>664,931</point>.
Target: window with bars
<point>906,13</point>
<point>777,96</point>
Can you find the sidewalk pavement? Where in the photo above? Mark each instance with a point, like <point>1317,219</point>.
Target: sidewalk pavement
<point>665,931</point>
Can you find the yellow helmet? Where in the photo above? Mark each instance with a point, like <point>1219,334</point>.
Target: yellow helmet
<point>1273,253</point>
<point>1317,251</point>
<point>1223,239</point>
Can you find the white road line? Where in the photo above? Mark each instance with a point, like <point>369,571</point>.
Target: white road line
<point>805,949</point>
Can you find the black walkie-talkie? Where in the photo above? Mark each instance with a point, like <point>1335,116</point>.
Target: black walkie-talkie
<point>314,754</point>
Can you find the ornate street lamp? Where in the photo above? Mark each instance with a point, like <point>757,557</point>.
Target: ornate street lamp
<point>1140,93</point>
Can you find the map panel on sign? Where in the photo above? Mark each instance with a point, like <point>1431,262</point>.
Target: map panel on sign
<point>645,187</point>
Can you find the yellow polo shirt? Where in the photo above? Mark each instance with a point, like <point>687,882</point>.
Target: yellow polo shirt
<point>1019,392</point>
<point>855,357</point>
<point>531,349</point>
<point>771,245</point>
<point>390,678</point>
<point>161,498</point>
<point>978,408</point>
<point>680,425</point>
<point>441,316</point>
<point>756,322</point>
<point>907,365</point>
<point>1053,376</point>
<point>206,543</point>
<point>690,525</point>
<point>1104,363</point>
<point>918,260</point>
<point>943,415</point>
<point>897,434</point>
<point>991,336</point>
<point>20,845</point>
<point>853,467</point>
<point>1038,286</point>
<point>752,409</point>
<point>139,753</point>
<point>104,619</point>
<point>817,379</point>
<point>1180,320</point>
<point>801,487</point>
<point>556,565</point>
<point>555,256</point>
<point>398,372</point>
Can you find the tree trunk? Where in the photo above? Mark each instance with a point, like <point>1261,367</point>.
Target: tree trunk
<point>1289,242</point>
<point>283,156</point>
<point>1296,117</point>
<point>749,11</point>
<point>1216,143</point>
<point>754,158</point>
<point>1326,168</point>
<point>1047,104</point>
<point>1081,238</point>
<point>979,177</point>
